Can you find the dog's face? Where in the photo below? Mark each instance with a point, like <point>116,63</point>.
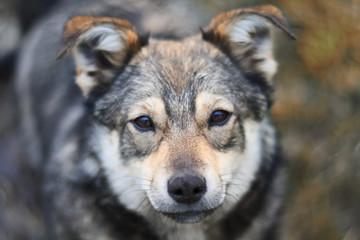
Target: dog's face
<point>178,124</point>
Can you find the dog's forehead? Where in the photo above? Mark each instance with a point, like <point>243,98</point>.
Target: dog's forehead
<point>178,63</point>
<point>177,72</point>
<point>184,67</point>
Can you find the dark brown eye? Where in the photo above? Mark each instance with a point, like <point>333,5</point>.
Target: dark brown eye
<point>143,123</point>
<point>219,118</point>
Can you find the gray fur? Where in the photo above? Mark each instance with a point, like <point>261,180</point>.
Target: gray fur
<point>61,127</point>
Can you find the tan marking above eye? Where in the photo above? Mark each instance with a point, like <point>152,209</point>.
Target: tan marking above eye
<point>153,107</point>
<point>79,71</point>
<point>206,103</point>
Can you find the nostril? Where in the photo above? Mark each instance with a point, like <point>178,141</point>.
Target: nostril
<point>178,192</point>
<point>186,188</point>
<point>197,190</point>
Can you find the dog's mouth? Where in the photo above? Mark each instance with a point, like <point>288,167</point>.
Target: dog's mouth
<point>188,217</point>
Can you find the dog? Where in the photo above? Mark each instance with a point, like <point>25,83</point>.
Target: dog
<point>153,136</point>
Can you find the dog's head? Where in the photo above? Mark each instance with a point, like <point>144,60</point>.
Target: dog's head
<point>178,124</point>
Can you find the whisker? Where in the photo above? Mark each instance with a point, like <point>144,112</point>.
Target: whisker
<point>132,191</point>
<point>229,194</point>
<point>144,202</point>
<point>132,178</point>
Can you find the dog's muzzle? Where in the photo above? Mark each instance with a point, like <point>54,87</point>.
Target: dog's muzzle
<point>187,190</point>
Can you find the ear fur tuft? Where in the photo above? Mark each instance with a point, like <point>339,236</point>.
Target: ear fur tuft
<point>87,27</point>
<point>99,44</point>
<point>246,36</point>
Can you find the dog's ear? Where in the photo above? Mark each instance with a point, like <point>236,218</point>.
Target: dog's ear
<point>101,46</point>
<point>246,36</point>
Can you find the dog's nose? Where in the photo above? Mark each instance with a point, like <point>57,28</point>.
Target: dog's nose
<point>186,188</point>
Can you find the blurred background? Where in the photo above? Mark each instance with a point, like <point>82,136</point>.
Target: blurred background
<point>317,113</point>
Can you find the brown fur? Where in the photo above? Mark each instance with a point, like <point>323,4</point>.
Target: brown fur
<point>184,151</point>
<point>218,29</point>
<point>79,25</point>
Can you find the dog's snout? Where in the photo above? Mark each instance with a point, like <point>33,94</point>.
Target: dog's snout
<point>186,188</point>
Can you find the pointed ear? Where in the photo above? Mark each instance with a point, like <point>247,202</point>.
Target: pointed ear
<point>101,47</point>
<point>246,36</point>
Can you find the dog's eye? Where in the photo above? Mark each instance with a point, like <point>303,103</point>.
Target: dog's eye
<point>219,118</point>
<point>143,123</point>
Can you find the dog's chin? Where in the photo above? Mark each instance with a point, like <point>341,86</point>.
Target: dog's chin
<point>188,217</point>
